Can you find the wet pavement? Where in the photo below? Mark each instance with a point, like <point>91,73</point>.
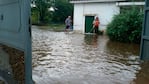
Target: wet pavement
<point>69,58</point>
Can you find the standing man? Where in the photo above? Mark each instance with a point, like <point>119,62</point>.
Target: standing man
<point>68,23</point>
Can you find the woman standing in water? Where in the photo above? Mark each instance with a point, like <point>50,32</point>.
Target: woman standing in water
<point>96,24</point>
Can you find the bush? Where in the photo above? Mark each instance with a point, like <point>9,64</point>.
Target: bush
<point>126,27</point>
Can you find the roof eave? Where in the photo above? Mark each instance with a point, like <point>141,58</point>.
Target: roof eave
<point>94,1</point>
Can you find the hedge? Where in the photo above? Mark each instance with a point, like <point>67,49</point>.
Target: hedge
<point>126,26</point>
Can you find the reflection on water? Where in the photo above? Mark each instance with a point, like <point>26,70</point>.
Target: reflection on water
<point>60,58</point>
<point>91,40</point>
<point>122,52</point>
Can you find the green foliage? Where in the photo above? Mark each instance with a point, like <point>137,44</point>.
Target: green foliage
<point>41,14</point>
<point>126,27</point>
<point>34,16</point>
<point>62,9</point>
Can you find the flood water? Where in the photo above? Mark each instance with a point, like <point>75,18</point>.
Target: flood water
<point>69,58</point>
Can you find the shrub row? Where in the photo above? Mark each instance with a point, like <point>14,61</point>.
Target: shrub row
<point>126,26</point>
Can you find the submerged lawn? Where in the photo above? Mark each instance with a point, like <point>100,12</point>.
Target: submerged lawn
<point>53,27</point>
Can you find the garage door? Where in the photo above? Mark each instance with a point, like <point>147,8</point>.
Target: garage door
<point>89,24</point>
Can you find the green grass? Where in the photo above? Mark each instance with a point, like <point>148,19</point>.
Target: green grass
<point>53,27</point>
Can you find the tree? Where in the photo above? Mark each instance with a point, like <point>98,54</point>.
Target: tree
<point>62,9</point>
<point>42,8</point>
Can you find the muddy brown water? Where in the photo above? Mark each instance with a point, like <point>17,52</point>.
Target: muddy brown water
<point>12,69</point>
<point>69,58</point>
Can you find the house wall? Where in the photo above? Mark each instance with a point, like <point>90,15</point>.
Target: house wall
<point>105,12</point>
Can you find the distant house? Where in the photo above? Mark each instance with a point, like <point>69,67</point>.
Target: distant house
<point>86,10</point>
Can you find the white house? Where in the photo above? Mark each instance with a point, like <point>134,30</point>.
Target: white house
<point>86,10</point>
